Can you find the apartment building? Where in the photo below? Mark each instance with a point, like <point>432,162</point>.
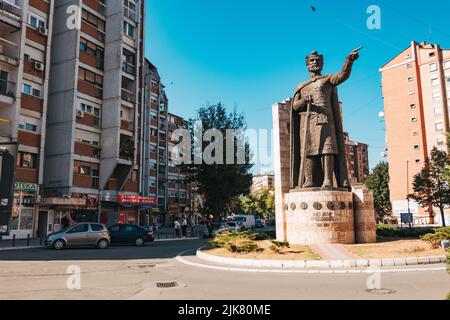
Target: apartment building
<point>25,41</point>
<point>93,150</point>
<point>357,155</point>
<point>416,90</point>
<point>263,181</point>
<point>179,191</point>
<point>155,165</point>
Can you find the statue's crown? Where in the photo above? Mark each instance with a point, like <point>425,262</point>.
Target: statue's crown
<point>314,54</point>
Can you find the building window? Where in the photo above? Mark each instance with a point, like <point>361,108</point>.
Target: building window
<point>436,95</point>
<point>128,29</point>
<point>447,64</point>
<point>28,127</point>
<point>438,111</point>
<point>408,56</point>
<point>412,106</point>
<point>440,127</point>
<point>415,133</point>
<point>26,89</point>
<point>440,140</point>
<point>414,119</point>
<point>36,22</point>
<point>411,92</point>
<point>409,65</point>
<point>27,160</point>
<point>416,147</point>
<point>432,54</point>
<point>410,79</point>
<point>433,67</point>
<point>417,161</point>
<point>435,82</point>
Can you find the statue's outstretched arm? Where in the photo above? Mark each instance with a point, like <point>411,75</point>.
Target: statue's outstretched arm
<point>346,71</point>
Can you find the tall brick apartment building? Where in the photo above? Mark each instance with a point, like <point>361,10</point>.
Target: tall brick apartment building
<point>416,89</point>
<point>25,42</point>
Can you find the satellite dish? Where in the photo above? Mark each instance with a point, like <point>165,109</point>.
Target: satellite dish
<point>381,114</point>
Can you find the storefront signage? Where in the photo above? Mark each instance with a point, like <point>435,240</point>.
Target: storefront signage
<point>28,187</point>
<point>123,199</point>
<point>63,202</point>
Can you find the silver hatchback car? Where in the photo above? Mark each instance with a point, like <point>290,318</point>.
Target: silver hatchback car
<point>80,235</point>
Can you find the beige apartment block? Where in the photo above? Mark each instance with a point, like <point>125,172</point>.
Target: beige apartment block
<point>416,87</point>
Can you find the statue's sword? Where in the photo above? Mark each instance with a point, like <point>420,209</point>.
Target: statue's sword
<point>304,146</point>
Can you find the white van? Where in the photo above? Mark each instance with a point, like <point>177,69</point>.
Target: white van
<point>247,220</point>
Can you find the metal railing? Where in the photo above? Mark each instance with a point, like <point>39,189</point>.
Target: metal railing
<point>128,68</point>
<point>128,96</point>
<point>130,14</point>
<point>10,8</point>
<point>7,88</point>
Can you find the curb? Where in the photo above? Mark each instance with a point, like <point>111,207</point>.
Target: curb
<point>20,248</point>
<point>179,239</point>
<point>322,264</point>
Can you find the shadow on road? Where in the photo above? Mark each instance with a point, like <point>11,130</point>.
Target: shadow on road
<point>155,250</point>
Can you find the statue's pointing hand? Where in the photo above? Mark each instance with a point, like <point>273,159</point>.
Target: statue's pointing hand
<point>353,56</point>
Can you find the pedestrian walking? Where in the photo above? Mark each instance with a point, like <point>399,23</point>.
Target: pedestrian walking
<point>177,227</point>
<point>184,225</point>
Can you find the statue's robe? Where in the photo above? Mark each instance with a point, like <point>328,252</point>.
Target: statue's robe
<point>325,134</point>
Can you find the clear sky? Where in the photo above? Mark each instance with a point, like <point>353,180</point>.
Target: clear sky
<point>251,53</point>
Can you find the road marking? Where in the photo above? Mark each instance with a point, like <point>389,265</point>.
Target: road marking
<point>180,259</point>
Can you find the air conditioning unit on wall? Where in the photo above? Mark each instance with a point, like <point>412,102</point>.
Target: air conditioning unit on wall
<point>38,66</point>
<point>42,30</point>
<point>80,114</point>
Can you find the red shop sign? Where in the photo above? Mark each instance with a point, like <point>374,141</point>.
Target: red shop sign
<point>122,199</point>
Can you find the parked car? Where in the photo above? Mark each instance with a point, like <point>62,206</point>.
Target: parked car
<point>130,234</point>
<point>80,235</point>
<point>235,226</point>
<point>247,220</point>
<point>270,223</point>
<point>259,224</point>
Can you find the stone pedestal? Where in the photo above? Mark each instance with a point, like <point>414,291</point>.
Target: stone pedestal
<point>365,220</point>
<point>317,217</point>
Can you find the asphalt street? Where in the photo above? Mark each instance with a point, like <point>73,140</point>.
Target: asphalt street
<point>153,272</point>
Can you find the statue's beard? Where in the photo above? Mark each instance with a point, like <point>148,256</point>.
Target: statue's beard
<point>315,69</point>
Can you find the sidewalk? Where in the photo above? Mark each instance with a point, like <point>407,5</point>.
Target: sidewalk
<point>6,245</point>
<point>333,252</point>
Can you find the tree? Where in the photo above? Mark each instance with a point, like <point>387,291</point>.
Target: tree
<point>378,181</point>
<point>261,204</point>
<point>219,181</point>
<point>430,188</point>
<point>446,174</point>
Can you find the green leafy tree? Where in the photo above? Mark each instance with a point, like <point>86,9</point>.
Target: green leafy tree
<point>261,204</point>
<point>430,188</point>
<point>378,181</point>
<point>220,182</point>
<point>446,174</point>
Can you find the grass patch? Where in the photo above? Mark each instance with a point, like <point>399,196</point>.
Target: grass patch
<point>394,248</point>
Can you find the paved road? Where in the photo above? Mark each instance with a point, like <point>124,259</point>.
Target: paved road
<point>134,273</point>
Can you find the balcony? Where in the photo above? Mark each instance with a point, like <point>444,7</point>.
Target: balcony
<point>7,8</point>
<point>98,6</point>
<point>7,59</point>
<point>126,125</point>
<point>7,91</point>
<point>129,68</point>
<point>128,96</point>
<point>130,14</point>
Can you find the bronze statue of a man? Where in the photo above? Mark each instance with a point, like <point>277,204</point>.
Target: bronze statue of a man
<point>317,140</point>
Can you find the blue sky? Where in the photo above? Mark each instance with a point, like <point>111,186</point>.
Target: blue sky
<point>251,54</point>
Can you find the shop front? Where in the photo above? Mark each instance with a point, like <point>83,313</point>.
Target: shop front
<point>126,209</point>
<point>25,206</point>
<point>57,214</point>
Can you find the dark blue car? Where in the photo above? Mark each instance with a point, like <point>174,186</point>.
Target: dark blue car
<point>130,234</point>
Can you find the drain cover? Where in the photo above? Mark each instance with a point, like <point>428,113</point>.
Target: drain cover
<point>382,291</point>
<point>167,284</point>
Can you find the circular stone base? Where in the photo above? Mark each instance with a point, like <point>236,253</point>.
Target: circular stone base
<point>318,217</point>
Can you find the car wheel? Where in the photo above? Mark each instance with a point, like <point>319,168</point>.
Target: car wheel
<point>59,244</point>
<point>102,244</point>
<point>139,242</point>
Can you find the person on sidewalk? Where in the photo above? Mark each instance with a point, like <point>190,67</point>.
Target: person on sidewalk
<point>184,225</point>
<point>177,227</point>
